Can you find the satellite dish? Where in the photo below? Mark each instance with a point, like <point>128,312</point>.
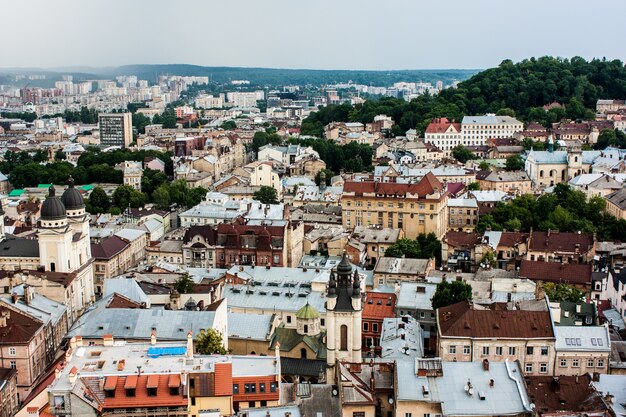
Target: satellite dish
<point>471,391</point>
<point>335,392</point>
<point>390,400</point>
<point>466,388</point>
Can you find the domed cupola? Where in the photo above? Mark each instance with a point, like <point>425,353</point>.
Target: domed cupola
<point>72,199</point>
<point>52,210</point>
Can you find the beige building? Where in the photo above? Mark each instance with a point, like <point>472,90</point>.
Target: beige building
<point>462,214</point>
<point>376,240</point>
<point>116,129</point>
<point>390,271</point>
<point>581,350</point>
<point>470,332</point>
<point>616,204</point>
<point>112,257</point>
<point>415,208</point>
<point>23,347</point>
<point>510,182</point>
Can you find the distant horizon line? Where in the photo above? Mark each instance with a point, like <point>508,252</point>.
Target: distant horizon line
<point>83,68</point>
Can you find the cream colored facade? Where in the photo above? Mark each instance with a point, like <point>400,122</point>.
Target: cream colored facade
<point>413,214</point>
<point>580,363</point>
<point>536,356</point>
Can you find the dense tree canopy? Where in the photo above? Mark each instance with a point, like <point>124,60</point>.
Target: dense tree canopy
<point>353,157</point>
<point>266,195</point>
<point>562,292</point>
<point>424,247</point>
<point>450,292</point>
<point>514,163</point>
<point>521,88</point>
<point>566,210</point>
<point>462,154</point>
<point>209,342</point>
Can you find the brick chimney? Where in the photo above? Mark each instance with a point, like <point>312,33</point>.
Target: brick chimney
<point>153,339</point>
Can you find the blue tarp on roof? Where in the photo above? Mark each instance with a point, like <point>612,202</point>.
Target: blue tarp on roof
<point>155,352</point>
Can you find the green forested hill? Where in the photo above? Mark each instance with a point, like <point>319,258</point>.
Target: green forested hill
<point>520,89</point>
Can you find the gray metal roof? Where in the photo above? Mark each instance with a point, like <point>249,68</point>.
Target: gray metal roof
<point>616,386</point>
<point>127,287</point>
<point>401,339</point>
<point>128,323</point>
<point>274,298</point>
<point>410,298</point>
<point>582,338</point>
<point>249,326</point>
<point>17,247</point>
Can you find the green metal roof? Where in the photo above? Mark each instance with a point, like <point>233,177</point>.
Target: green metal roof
<point>44,185</point>
<point>16,193</point>
<point>86,187</point>
<point>307,312</point>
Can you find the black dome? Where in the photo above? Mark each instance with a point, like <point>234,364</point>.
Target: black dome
<point>72,198</point>
<point>52,207</point>
<point>344,267</point>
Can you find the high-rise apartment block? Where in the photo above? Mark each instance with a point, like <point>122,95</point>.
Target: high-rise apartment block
<point>116,129</point>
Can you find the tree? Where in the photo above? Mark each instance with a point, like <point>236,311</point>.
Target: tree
<point>450,292</point>
<point>125,195</point>
<point>266,195</point>
<point>195,196</point>
<point>99,201</point>
<point>59,155</point>
<point>484,166</point>
<point>229,125</point>
<point>425,246</point>
<point>514,163</point>
<point>161,197</point>
<point>327,173</point>
<point>473,186</point>
<point>209,342</point>
<point>562,292</point>
<point>462,154</point>
<point>184,284</point>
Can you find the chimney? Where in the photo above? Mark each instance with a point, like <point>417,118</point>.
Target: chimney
<point>73,375</point>
<point>57,373</point>
<point>79,341</point>
<point>486,365</point>
<point>15,297</point>
<point>153,338</point>
<point>277,350</point>
<point>73,343</point>
<point>28,294</point>
<point>190,344</point>
<point>107,340</point>
<point>492,383</point>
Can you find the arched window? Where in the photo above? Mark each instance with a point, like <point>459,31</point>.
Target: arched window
<point>306,329</point>
<point>541,174</point>
<point>53,267</point>
<point>343,332</point>
<point>575,159</point>
<point>303,353</point>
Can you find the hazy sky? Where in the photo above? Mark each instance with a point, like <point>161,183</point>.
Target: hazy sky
<point>325,34</point>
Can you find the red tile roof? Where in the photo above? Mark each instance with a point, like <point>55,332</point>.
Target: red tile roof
<point>441,126</point>
<point>560,241</point>
<point>109,247</point>
<point>462,239</point>
<point>567,393</point>
<point>556,272</point>
<point>510,239</point>
<point>120,301</point>
<point>141,399</point>
<point>379,305</point>
<point>20,328</point>
<point>424,187</point>
<point>464,319</point>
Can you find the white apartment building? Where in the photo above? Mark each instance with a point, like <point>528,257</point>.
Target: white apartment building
<point>476,130</point>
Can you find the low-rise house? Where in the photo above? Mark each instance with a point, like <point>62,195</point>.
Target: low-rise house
<point>554,246</point>
<point>578,275</point>
<point>510,182</point>
<point>596,185</point>
<point>468,332</point>
<point>198,246</point>
<point>389,271</point>
<point>377,307</point>
<point>456,389</point>
<point>112,256</point>
<point>581,350</point>
<point>376,240</point>
<point>401,340</point>
<point>23,347</point>
<point>461,251</point>
<point>616,204</point>
<point>565,395</point>
<point>414,300</point>
<point>462,214</point>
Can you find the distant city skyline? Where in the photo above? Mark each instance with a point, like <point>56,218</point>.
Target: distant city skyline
<point>324,34</point>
